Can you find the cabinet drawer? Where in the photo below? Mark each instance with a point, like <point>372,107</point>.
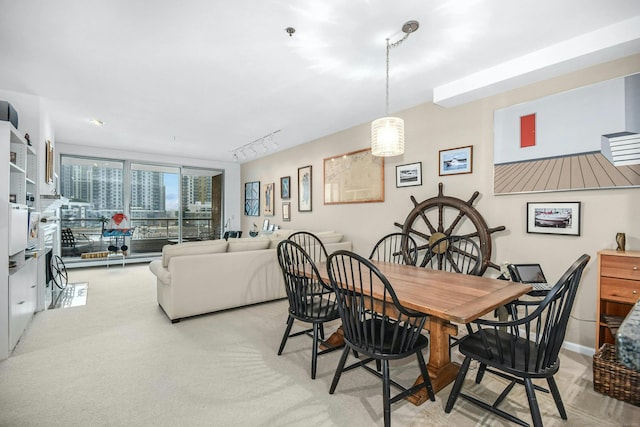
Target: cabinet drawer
<point>620,266</point>
<point>620,290</point>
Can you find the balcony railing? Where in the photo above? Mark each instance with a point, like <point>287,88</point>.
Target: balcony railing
<point>149,236</point>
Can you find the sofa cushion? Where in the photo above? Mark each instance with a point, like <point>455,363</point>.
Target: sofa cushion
<point>329,237</point>
<point>248,244</point>
<point>281,234</point>
<point>192,248</point>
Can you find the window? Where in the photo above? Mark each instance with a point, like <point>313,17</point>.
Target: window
<point>164,204</point>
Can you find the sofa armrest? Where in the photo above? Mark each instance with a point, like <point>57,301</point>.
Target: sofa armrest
<point>160,272</point>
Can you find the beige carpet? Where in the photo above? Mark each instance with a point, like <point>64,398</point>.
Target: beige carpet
<point>118,361</point>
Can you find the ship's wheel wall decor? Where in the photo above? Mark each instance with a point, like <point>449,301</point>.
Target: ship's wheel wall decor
<point>442,216</point>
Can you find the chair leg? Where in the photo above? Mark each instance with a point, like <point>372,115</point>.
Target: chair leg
<point>286,334</point>
<point>533,403</point>
<point>321,330</point>
<point>481,370</point>
<point>556,396</point>
<point>425,376</point>
<point>455,391</point>
<point>386,393</point>
<point>314,349</point>
<point>339,368</point>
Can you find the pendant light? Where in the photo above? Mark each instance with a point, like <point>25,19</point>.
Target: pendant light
<point>387,133</point>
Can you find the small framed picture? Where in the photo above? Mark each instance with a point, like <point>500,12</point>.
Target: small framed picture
<point>304,189</point>
<point>554,218</point>
<point>409,175</point>
<point>265,225</point>
<point>12,157</point>
<point>456,161</point>
<point>285,185</point>
<point>286,211</point>
<point>268,199</point>
<point>12,198</point>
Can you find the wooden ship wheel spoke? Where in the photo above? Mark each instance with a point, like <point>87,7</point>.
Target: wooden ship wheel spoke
<point>429,221</point>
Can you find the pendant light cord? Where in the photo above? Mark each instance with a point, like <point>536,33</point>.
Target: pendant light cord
<point>389,46</point>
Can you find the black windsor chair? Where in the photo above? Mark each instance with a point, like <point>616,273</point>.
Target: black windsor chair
<point>458,254</point>
<point>310,300</point>
<point>312,245</point>
<point>389,332</point>
<point>524,348</point>
<point>398,248</point>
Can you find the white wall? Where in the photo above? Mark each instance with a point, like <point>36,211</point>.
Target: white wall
<point>430,128</point>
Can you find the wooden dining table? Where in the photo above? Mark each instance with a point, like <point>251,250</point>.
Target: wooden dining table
<point>447,297</point>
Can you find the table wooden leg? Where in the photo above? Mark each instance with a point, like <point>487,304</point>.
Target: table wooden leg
<point>441,370</point>
<point>336,339</point>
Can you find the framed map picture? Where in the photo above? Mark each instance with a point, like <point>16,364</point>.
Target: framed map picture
<point>356,177</point>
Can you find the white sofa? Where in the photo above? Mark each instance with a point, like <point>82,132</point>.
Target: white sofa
<point>202,277</point>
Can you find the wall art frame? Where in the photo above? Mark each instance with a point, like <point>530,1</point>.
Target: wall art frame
<point>285,187</point>
<point>286,211</point>
<point>573,140</point>
<point>252,198</point>
<point>355,177</point>
<point>305,188</point>
<point>455,161</point>
<point>48,174</point>
<point>269,199</point>
<point>554,218</point>
<point>409,175</point>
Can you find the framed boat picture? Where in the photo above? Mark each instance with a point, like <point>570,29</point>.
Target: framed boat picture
<point>456,161</point>
<point>554,218</point>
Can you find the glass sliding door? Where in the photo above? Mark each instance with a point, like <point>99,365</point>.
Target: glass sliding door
<point>162,204</point>
<point>154,207</point>
<point>201,204</point>
<point>95,189</point>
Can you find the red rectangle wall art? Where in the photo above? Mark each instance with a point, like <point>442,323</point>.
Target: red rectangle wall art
<point>528,131</point>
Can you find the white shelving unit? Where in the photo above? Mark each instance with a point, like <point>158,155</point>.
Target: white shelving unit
<point>18,284</point>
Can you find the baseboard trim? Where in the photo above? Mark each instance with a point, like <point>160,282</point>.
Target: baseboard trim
<point>580,349</point>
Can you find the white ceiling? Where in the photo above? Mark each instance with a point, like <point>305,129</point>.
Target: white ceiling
<point>198,78</point>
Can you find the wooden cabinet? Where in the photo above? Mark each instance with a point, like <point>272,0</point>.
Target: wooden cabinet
<point>618,290</point>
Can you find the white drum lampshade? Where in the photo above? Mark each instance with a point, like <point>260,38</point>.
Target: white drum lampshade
<point>387,137</point>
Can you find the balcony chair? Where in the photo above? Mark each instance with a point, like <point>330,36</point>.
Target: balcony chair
<point>232,234</point>
<point>72,245</point>
<point>524,348</point>
<point>398,248</point>
<point>390,332</point>
<point>310,300</point>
